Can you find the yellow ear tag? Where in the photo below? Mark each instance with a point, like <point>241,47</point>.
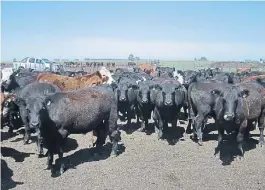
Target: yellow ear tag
<point>9,100</point>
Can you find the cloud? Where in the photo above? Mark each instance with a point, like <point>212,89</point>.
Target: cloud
<point>98,47</point>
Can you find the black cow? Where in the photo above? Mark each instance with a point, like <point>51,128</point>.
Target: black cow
<point>19,80</point>
<point>242,104</point>
<point>169,99</point>
<point>126,95</point>
<point>165,72</point>
<point>10,115</point>
<point>76,112</point>
<point>144,103</point>
<point>202,104</point>
<point>26,100</point>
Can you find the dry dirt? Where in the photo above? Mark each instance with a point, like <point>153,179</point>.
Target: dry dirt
<point>144,163</point>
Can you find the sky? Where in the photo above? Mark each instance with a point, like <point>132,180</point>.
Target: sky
<point>156,30</point>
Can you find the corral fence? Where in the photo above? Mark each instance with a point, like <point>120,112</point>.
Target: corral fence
<point>93,66</point>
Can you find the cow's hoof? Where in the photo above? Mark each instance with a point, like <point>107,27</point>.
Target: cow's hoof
<point>141,130</point>
<point>41,155</point>
<point>49,167</point>
<point>55,173</point>
<point>200,143</point>
<point>239,158</point>
<point>261,144</point>
<point>113,154</point>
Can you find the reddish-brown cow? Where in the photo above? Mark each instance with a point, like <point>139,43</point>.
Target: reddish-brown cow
<point>243,70</point>
<point>73,83</point>
<point>148,68</point>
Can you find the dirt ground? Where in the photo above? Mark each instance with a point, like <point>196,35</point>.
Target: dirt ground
<point>144,163</point>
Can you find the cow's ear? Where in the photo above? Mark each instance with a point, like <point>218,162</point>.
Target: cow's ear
<point>114,86</point>
<point>244,93</point>
<point>99,74</point>
<point>158,87</point>
<point>216,92</point>
<point>19,101</point>
<point>134,87</point>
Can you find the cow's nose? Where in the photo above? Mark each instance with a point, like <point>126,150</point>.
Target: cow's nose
<point>168,103</point>
<point>229,116</point>
<point>34,124</point>
<point>144,101</point>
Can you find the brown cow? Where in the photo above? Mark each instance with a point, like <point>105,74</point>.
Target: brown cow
<point>252,78</point>
<point>243,70</point>
<point>66,83</point>
<point>147,68</point>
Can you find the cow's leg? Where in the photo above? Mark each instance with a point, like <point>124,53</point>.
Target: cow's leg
<point>91,139</point>
<point>24,118</point>
<point>61,164</point>
<point>160,128</point>
<point>198,122</point>
<point>191,118</point>
<point>11,125</point>
<point>240,138</point>
<point>39,143</point>
<point>137,110</point>
<point>101,131</point>
<point>220,137</point>
<point>261,127</point>
<point>142,128</point>
<point>49,159</point>
<point>185,108</point>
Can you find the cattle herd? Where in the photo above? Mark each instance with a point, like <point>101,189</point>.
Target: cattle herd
<point>55,105</point>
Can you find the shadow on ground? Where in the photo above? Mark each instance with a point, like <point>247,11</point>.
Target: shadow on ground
<point>88,155</point>
<point>173,134</point>
<point>6,177</point>
<point>229,148</point>
<point>13,153</point>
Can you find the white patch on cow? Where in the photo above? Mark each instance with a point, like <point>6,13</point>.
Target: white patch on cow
<point>6,72</point>
<point>15,117</point>
<point>49,103</point>
<point>144,78</point>
<point>137,82</point>
<point>107,73</point>
<point>225,117</point>
<point>5,111</point>
<point>179,77</point>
